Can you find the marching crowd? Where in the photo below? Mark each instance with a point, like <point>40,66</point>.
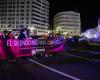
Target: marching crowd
<point>25,34</point>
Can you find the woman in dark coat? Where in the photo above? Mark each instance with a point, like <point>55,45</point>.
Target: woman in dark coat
<point>23,34</point>
<point>8,52</point>
<point>10,35</point>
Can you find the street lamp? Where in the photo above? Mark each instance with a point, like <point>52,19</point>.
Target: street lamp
<point>31,29</point>
<point>58,29</point>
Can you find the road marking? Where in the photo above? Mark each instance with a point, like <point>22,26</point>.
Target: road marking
<point>83,58</point>
<point>54,70</point>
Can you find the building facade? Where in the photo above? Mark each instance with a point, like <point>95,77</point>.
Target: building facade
<point>18,14</point>
<point>68,22</point>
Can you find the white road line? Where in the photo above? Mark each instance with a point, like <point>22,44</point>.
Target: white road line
<point>54,70</point>
<point>83,58</point>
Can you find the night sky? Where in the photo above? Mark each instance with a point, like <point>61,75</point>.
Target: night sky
<point>88,9</point>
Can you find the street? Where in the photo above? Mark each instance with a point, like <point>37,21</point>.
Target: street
<point>72,65</point>
<point>49,40</point>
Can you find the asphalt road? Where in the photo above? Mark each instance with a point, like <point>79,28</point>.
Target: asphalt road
<point>74,65</point>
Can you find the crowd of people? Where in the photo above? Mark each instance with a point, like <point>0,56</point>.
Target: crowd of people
<point>25,34</point>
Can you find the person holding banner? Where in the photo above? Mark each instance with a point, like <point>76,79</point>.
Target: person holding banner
<point>2,54</point>
<point>23,34</point>
<point>1,36</point>
<point>10,35</point>
<point>34,36</point>
<point>7,49</point>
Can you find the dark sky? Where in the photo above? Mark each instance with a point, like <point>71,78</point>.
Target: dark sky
<point>88,9</point>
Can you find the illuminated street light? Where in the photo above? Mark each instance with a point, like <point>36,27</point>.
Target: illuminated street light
<point>31,29</point>
<point>58,29</point>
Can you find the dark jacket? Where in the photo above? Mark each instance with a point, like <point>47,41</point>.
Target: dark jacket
<point>1,38</point>
<point>21,36</point>
<point>35,37</point>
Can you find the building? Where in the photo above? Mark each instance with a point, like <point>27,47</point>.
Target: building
<point>18,14</point>
<point>68,22</point>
